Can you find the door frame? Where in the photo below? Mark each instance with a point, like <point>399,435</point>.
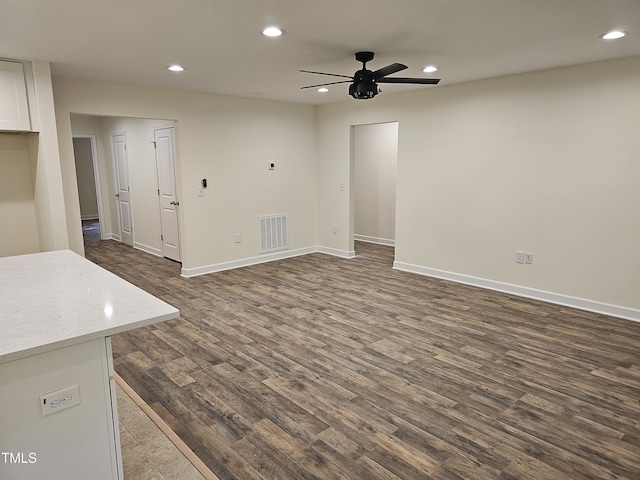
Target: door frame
<point>96,176</point>
<point>352,180</point>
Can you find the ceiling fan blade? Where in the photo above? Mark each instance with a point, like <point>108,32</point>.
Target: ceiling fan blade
<point>325,84</point>
<point>331,74</point>
<point>418,81</point>
<point>388,70</point>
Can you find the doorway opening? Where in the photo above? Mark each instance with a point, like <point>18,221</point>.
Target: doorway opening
<point>85,154</point>
<point>131,207</point>
<point>374,160</point>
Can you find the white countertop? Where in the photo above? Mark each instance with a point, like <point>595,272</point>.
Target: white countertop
<point>56,299</point>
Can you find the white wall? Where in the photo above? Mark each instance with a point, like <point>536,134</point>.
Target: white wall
<point>17,204</point>
<point>543,162</point>
<point>375,165</point>
<point>49,193</point>
<point>526,162</point>
<point>227,140</point>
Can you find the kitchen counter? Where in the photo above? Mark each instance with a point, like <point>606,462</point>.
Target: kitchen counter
<point>56,299</point>
<point>57,314</point>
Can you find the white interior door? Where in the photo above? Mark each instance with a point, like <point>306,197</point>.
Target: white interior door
<point>167,190</point>
<point>123,195</point>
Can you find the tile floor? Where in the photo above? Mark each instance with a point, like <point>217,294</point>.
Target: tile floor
<point>147,454</point>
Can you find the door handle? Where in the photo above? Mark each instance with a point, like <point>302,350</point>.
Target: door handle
<point>174,203</point>
<point>117,195</point>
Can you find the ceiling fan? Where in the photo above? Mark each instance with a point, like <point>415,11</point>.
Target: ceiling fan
<point>364,83</point>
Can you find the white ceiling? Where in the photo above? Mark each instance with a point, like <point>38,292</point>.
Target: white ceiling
<point>220,44</point>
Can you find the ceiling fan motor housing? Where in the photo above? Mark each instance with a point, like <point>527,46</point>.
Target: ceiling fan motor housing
<point>363,86</point>
<point>364,90</point>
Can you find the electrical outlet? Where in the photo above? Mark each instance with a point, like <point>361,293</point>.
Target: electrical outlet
<point>519,257</point>
<point>528,258</point>
<point>60,400</point>
<point>335,229</point>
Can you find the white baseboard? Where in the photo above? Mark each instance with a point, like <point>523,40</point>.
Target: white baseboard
<point>337,253</point>
<point>245,262</point>
<point>550,297</point>
<point>147,248</point>
<point>380,241</point>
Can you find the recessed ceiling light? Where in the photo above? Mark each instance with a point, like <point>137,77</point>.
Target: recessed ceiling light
<point>430,69</point>
<point>323,89</point>
<point>613,35</point>
<point>176,68</point>
<point>272,32</point>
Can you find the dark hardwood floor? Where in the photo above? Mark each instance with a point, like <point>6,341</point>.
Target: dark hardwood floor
<point>323,368</point>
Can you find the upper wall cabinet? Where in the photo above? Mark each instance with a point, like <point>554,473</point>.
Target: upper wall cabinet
<point>14,109</point>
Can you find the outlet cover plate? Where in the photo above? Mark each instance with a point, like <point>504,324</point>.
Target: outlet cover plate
<point>59,400</point>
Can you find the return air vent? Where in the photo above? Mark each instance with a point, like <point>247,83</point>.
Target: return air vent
<point>273,233</point>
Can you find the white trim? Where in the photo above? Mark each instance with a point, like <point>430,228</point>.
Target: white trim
<point>550,297</point>
<point>337,253</point>
<point>380,241</point>
<point>146,248</point>
<point>245,262</point>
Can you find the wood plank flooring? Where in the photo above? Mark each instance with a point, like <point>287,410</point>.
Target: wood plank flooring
<point>324,368</point>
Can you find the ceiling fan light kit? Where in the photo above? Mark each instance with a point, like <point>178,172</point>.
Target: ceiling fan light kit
<point>364,83</point>
<point>363,90</point>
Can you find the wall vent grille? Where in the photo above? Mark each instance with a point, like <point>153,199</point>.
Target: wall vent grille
<point>273,233</point>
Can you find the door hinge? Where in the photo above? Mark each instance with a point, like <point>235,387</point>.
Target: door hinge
<point>158,192</point>
<point>161,238</point>
<point>154,144</point>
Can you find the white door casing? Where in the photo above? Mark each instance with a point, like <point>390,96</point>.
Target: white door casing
<point>123,195</point>
<point>167,193</point>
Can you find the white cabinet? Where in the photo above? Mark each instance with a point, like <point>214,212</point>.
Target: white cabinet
<point>14,108</point>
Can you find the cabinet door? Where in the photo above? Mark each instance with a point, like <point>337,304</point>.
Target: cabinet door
<point>14,109</point>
